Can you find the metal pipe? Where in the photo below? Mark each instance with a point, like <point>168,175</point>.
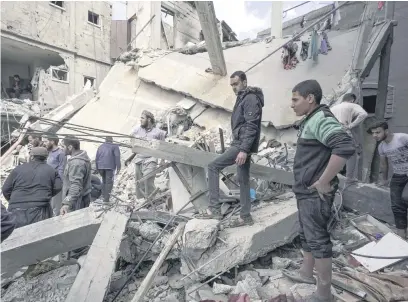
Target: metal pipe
<point>297,35</point>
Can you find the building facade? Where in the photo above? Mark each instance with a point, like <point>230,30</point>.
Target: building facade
<point>55,45</point>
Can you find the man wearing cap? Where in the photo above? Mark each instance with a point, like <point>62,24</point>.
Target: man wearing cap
<point>30,187</point>
<point>145,163</point>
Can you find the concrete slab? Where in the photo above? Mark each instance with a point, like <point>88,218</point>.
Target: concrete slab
<point>275,225</point>
<point>48,238</point>
<point>122,98</point>
<point>186,74</point>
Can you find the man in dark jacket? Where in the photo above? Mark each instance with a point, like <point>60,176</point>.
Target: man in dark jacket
<point>323,148</point>
<point>246,130</point>
<point>107,160</point>
<point>76,190</point>
<point>56,159</point>
<point>8,223</point>
<point>30,187</point>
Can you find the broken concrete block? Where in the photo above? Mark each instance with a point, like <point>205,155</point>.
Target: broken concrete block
<point>222,288</point>
<point>274,226</point>
<point>160,280</point>
<point>118,279</point>
<point>268,291</point>
<point>279,263</point>
<point>242,275</point>
<point>149,230</point>
<point>208,295</point>
<point>199,235</point>
<point>249,286</point>
<point>51,286</point>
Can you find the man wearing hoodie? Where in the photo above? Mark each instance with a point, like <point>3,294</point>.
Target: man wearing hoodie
<point>246,130</point>
<point>323,148</point>
<point>76,190</point>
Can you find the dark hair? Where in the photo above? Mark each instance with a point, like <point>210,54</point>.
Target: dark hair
<point>34,135</point>
<point>72,141</point>
<point>349,97</point>
<point>16,76</point>
<point>309,87</point>
<point>377,124</point>
<point>53,138</point>
<point>109,139</point>
<point>239,74</point>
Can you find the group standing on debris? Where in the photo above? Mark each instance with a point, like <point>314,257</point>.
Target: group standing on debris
<point>49,184</point>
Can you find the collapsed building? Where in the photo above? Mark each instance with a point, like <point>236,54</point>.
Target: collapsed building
<point>154,250</point>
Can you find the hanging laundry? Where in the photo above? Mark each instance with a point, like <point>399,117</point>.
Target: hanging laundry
<point>314,46</point>
<point>289,59</point>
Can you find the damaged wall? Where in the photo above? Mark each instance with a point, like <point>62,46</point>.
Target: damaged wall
<point>185,25</point>
<point>66,32</point>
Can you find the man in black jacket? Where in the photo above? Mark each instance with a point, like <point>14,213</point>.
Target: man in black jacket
<point>30,187</point>
<point>7,223</point>
<point>246,129</point>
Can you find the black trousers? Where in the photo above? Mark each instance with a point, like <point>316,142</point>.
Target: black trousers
<point>398,205</point>
<point>32,215</point>
<point>314,216</point>
<point>107,183</point>
<point>214,168</point>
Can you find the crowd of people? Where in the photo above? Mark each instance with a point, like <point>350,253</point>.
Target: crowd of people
<point>328,140</point>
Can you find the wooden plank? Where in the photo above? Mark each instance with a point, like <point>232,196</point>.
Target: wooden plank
<point>144,287</point>
<point>93,279</point>
<point>48,238</point>
<point>208,21</point>
<point>198,158</point>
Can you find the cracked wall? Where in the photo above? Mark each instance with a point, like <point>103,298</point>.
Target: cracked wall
<point>66,31</point>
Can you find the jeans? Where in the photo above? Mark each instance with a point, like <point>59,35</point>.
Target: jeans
<point>398,205</point>
<point>214,168</point>
<point>107,183</point>
<point>142,169</point>
<point>314,216</point>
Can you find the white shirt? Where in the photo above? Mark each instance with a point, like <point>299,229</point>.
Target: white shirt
<point>347,112</point>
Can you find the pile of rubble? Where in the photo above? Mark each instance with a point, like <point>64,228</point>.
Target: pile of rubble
<point>258,280</point>
<point>19,108</point>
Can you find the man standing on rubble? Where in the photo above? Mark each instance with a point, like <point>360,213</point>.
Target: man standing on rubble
<point>246,130</point>
<point>56,159</point>
<point>107,160</point>
<point>323,148</point>
<point>145,164</point>
<point>30,187</point>
<point>351,116</point>
<point>76,190</point>
<point>393,147</point>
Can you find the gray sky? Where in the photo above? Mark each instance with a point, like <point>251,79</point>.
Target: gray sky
<point>246,18</point>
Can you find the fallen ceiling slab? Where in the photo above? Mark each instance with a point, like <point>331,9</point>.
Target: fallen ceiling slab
<point>189,156</point>
<point>94,277</point>
<point>122,98</point>
<point>39,241</point>
<point>186,74</point>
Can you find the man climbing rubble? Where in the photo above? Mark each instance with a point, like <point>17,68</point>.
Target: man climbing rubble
<point>246,129</point>
<point>30,187</point>
<point>145,164</point>
<point>76,191</point>
<point>56,159</point>
<point>107,161</point>
<point>393,147</point>
<point>323,148</point>
<point>351,116</point>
